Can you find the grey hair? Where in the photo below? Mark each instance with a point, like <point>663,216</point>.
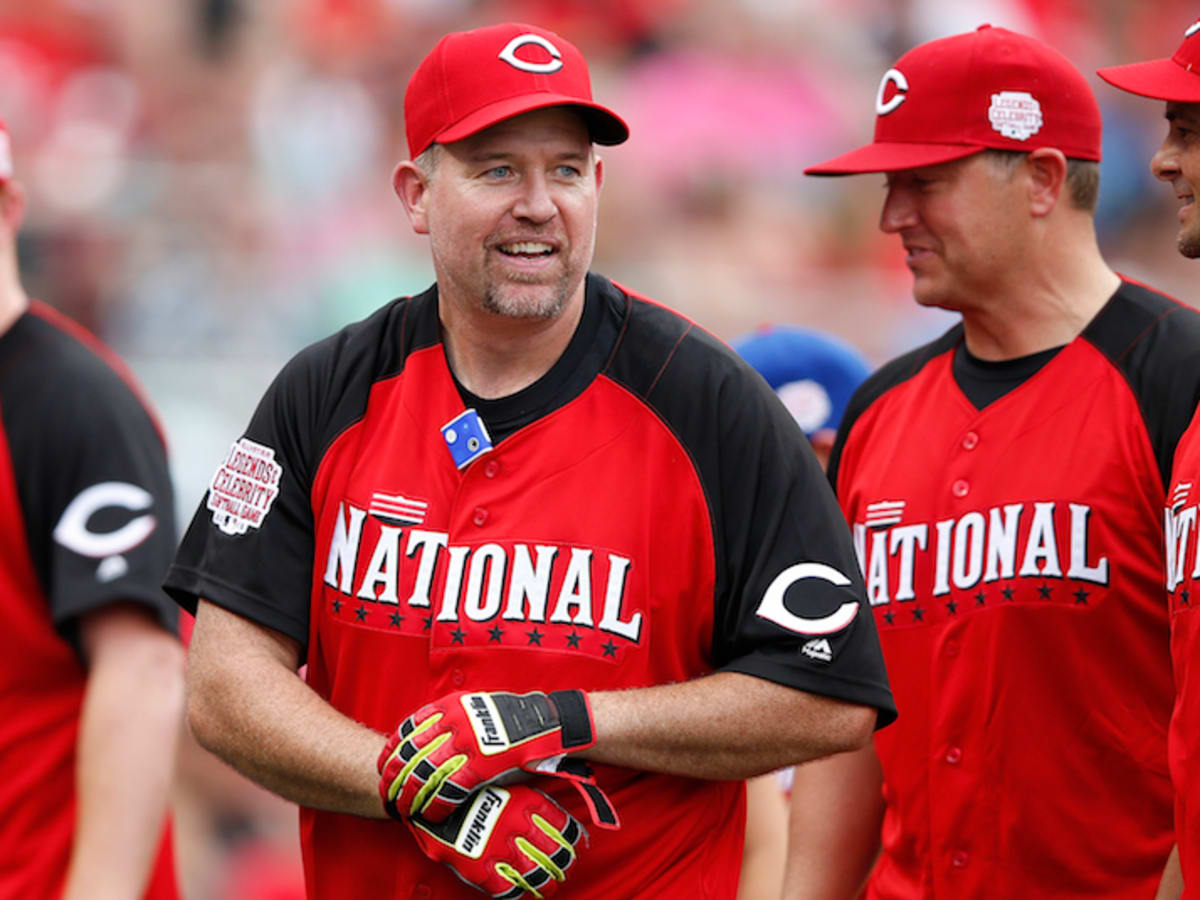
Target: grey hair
<point>1083,176</point>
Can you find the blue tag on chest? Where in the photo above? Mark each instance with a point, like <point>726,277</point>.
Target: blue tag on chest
<point>466,438</point>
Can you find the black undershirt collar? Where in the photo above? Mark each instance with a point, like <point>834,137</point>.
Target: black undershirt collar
<point>584,356</point>
<point>984,381</point>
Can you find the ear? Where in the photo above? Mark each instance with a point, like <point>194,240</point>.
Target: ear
<point>599,172</point>
<point>1047,169</point>
<point>12,206</point>
<point>412,187</point>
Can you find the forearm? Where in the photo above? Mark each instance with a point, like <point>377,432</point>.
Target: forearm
<point>836,814</point>
<point>723,726</point>
<point>261,718</point>
<point>129,730</point>
<point>765,849</point>
<point>1171,886</point>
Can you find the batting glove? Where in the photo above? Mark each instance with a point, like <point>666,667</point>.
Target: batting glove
<point>449,748</point>
<point>510,842</point>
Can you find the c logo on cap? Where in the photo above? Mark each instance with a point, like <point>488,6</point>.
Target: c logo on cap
<point>897,78</point>
<point>509,54</point>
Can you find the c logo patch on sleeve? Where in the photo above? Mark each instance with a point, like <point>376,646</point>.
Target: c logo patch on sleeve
<point>774,610</point>
<point>244,487</point>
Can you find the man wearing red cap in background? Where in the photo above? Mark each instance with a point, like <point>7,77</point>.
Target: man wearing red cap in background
<point>1177,162</point>
<point>526,479</point>
<point>91,672</point>
<point>1004,484</point>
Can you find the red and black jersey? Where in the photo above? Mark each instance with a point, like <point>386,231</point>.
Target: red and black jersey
<point>1013,557</point>
<point>1183,577</point>
<point>86,520</point>
<point>651,514</point>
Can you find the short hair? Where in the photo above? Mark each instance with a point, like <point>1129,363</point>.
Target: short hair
<point>427,159</point>
<point>1083,176</point>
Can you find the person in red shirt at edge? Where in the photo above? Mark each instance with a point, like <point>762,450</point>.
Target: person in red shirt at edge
<point>1177,162</point>
<point>91,669</point>
<point>526,523</point>
<point>1005,486</point>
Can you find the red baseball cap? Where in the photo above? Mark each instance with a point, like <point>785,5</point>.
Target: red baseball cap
<point>987,89</point>
<point>1176,79</point>
<point>474,79</point>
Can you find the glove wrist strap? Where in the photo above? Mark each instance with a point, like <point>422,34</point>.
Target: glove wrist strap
<point>576,717</point>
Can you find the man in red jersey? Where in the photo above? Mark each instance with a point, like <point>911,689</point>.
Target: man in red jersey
<point>91,672</point>
<point>520,520</point>
<point>1004,484</point>
<point>1177,81</point>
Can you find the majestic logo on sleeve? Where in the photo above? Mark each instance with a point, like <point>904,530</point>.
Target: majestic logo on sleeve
<point>244,487</point>
<point>1017,552</point>
<point>74,533</point>
<point>504,593</point>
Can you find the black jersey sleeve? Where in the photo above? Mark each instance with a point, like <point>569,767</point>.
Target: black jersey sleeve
<point>1154,341</point>
<point>789,602</point>
<point>791,606</point>
<point>91,473</point>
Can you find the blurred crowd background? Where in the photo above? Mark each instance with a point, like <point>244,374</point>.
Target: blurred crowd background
<point>210,191</point>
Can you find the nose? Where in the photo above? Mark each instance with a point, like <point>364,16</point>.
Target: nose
<point>898,211</point>
<point>1165,163</point>
<point>534,202</point>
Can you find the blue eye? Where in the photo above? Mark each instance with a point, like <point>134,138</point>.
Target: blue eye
<point>499,171</point>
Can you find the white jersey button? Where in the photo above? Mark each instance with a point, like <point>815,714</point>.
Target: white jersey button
<point>970,440</point>
<point>960,488</point>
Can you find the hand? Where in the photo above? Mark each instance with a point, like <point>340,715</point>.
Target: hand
<point>448,749</point>
<point>507,842</point>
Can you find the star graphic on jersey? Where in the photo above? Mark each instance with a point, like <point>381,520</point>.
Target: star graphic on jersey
<point>1008,593</point>
<point>337,606</point>
<point>1081,597</point>
<point>573,640</point>
<point>918,614</point>
<point>980,597</point>
<point>457,635</point>
<point>428,622</point>
<point>609,648</point>
<point>1044,590</point>
<point>952,606</point>
<point>396,619</point>
<point>496,634</point>
<point>889,617</point>
<point>360,614</point>
<point>535,636</point>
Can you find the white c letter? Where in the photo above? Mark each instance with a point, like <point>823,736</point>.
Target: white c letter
<point>898,79</point>
<point>773,609</point>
